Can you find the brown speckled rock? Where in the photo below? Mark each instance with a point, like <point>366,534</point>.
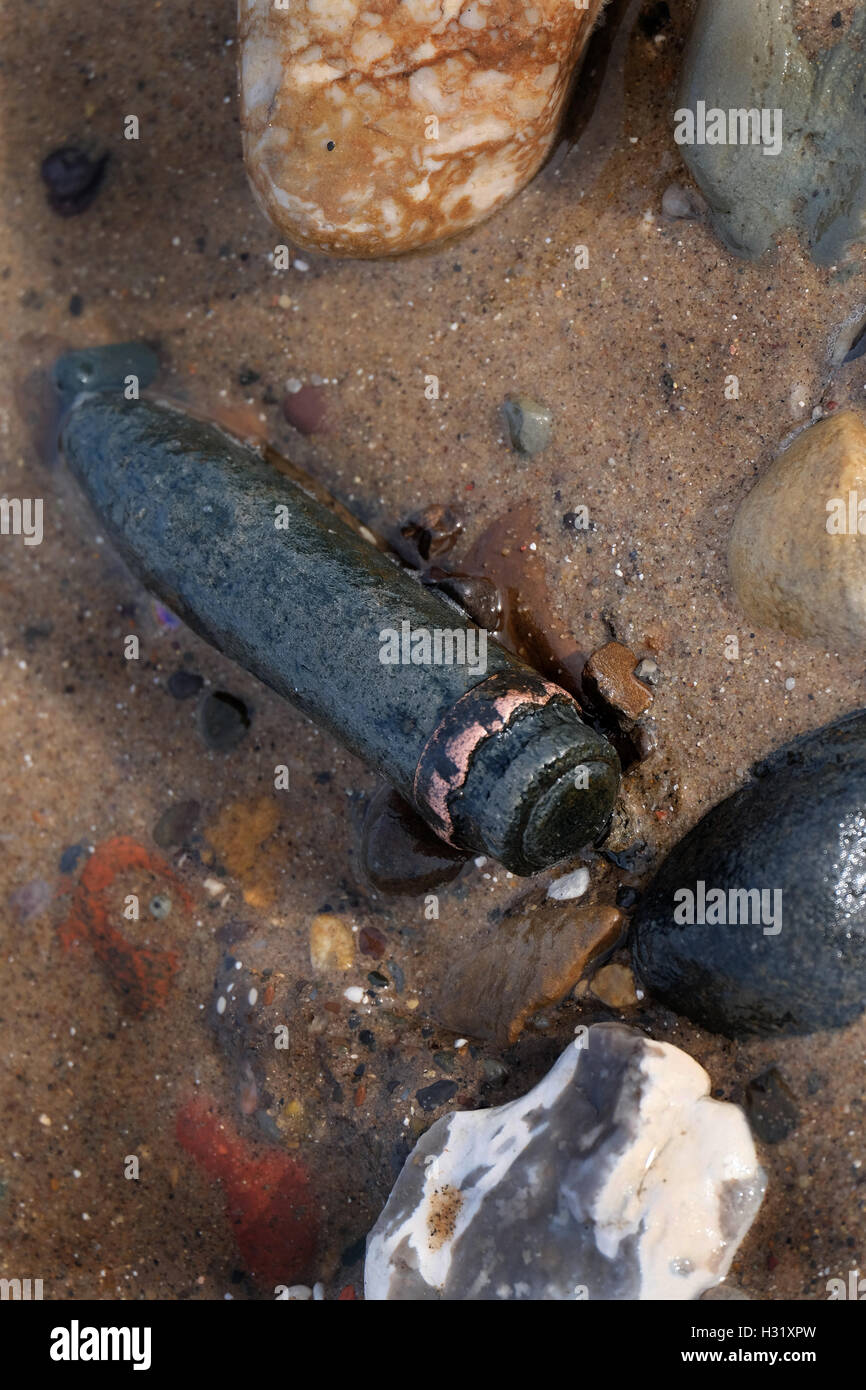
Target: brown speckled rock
<point>797,553</point>
<point>609,677</point>
<point>374,128</point>
<point>527,963</point>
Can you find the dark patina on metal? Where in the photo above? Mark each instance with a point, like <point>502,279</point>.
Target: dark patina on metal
<point>497,761</point>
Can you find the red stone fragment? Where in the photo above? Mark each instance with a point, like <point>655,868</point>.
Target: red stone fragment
<point>269,1200</point>
<point>372,942</point>
<point>142,974</point>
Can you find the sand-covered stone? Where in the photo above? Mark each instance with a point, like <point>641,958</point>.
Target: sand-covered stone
<point>374,128</point>
<point>616,1177</point>
<point>797,552</point>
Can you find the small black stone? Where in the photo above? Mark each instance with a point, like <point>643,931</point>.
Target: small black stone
<point>378,980</point>
<point>431,1097</point>
<point>223,720</point>
<point>771,1107</point>
<point>76,305</point>
<point>183,685</point>
<point>247,376</point>
<point>367,1039</point>
<point>355,1252</point>
<point>72,178</point>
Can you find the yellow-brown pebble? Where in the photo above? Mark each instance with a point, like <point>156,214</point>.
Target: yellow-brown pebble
<point>374,127</point>
<point>332,945</point>
<point>614,985</point>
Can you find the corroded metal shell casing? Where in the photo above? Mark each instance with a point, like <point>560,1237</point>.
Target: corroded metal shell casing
<point>495,759</point>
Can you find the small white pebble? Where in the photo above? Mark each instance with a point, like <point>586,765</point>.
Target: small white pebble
<point>572,885</point>
<point>354,994</point>
<point>221,1004</point>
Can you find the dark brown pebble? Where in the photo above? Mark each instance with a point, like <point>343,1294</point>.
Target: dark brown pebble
<point>176,826</point>
<point>477,596</point>
<point>372,942</point>
<point>305,409</point>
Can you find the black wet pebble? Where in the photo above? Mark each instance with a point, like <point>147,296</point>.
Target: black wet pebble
<point>223,720</point>
<point>75,305</point>
<point>183,685</point>
<point>432,1096</point>
<point>771,1107</point>
<point>72,178</point>
<point>367,1039</point>
<point>797,829</point>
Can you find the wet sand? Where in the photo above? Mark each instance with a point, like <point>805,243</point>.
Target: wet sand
<point>631,356</point>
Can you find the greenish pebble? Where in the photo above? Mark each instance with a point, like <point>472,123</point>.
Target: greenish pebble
<point>530,425</point>
<point>745,54</point>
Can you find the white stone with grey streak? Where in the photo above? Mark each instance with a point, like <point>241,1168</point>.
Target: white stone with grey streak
<point>616,1177</point>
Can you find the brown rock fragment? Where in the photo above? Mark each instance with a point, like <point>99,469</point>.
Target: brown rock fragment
<point>613,984</point>
<point>609,677</point>
<point>526,963</point>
